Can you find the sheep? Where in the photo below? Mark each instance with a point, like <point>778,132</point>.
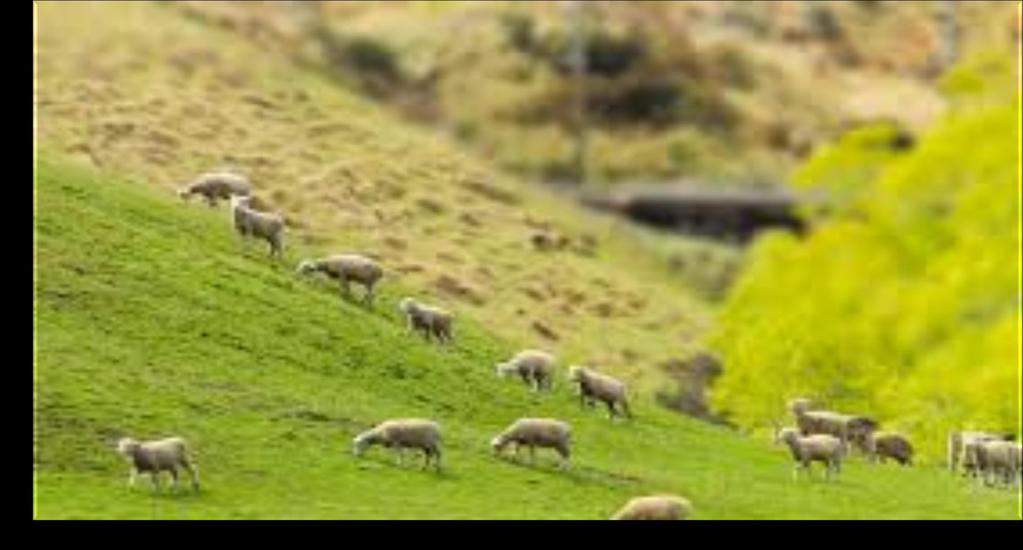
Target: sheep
<point>997,458</point>
<point>817,447</point>
<point>961,449</point>
<point>536,432</point>
<point>156,456</point>
<point>658,507</point>
<point>216,185</point>
<point>264,225</point>
<point>593,385</point>
<point>347,268</point>
<point>402,433</point>
<point>535,367</point>
<point>885,445</point>
<point>430,320</point>
<point>852,428</point>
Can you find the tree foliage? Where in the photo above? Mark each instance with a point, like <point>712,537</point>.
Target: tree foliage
<point>904,303</point>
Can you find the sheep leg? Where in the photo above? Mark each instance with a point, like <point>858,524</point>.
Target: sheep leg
<point>192,473</point>
<point>275,246</point>
<point>155,477</point>
<point>565,454</point>
<point>367,298</point>
<point>532,454</point>
<point>211,201</point>
<point>174,477</point>
<point>132,475</point>
<point>625,408</point>
<point>610,409</point>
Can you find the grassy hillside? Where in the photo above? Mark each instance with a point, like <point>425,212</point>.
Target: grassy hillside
<point>153,319</point>
<point>142,90</point>
<point>732,92</point>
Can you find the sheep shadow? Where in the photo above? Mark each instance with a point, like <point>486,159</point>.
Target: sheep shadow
<point>409,465</point>
<point>573,472</point>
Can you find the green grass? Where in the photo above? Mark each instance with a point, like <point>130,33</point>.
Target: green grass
<point>140,90</point>
<point>152,319</point>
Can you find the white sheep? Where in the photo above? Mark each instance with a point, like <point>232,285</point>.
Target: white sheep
<point>263,225</point>
<point>430,320</point>
<point>154,457</point>
<point>657,507</point>
<point>593,385</point>
<point>535,367</point>
<point>347,268</point>
<point>216,185</point>
<point>401,434</point>
<point>854,428</point>
<point>997,459</point>
<point>962,445</point>
<point>813,448</point>
<point>536,432</point>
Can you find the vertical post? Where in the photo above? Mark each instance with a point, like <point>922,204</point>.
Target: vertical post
<point>577,60</point>
<point>948,33</point>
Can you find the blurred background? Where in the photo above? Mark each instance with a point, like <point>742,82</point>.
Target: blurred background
<point>835,181</point>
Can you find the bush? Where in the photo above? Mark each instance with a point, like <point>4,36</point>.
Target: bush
<point>373,57</point>
<point>606,54</point>
<point>519,30</point>
<point>906,307</point>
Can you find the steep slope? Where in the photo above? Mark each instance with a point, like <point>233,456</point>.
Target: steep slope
<point>141,89</point>
<point>153,319</point>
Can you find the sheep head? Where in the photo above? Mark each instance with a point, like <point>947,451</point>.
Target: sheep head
<point>498,443</point>
<point>406,304</point>
<point>240,200</point>
<point>362,441</point>
<point>504,369</point>
<point>799,405</point>
<point>127,446</point>
<point>305,266</point>
<point>787,436</point>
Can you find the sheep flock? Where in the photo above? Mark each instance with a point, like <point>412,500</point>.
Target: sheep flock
<point>818,435</point>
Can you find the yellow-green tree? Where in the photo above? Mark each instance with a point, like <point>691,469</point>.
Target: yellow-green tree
<point>904,302</point>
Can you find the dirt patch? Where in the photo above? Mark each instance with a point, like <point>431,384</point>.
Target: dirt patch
<point>395,243</point>
<point>545,331</point>
<point>453,287</point>
<point>491,192</point>
<point>430,206</point>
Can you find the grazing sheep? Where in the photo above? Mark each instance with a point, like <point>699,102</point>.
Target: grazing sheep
<point>263,225</point>
<point>402,433</point>
<point>536,368</point>
<point>593,385</point>
<point>885,445</point>
<point>216,185</point>
<point>997,459</point>
<point>347,268</point>
<point>962,446</point>
<point>817,447</point>
<point>156,456</point>
<point>658,507</point>
<point>430,320</point>
<point>852,428</point>
<point>536,432</point>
